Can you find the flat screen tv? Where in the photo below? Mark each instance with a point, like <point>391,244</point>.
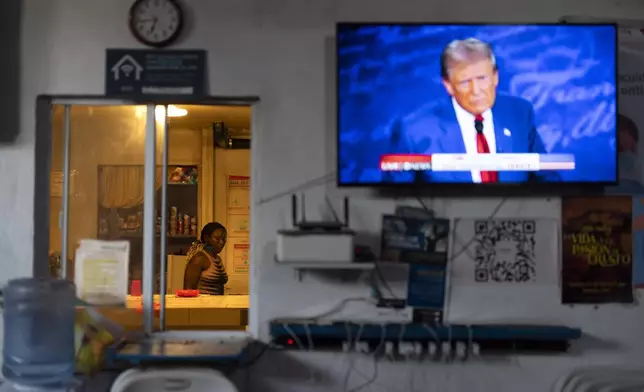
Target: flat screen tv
<point>477,104</point>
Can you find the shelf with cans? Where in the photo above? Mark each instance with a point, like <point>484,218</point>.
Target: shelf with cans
<point>183,204</point>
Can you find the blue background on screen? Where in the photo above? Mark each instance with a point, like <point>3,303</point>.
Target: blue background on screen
<point>567,72</point>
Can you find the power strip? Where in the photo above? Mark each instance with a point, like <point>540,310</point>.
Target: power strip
<point>414,340</point>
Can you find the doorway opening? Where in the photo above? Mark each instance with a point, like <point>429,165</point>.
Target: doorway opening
<point>97,170</point>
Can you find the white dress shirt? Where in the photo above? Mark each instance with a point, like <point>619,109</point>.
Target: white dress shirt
<point>466,123</point>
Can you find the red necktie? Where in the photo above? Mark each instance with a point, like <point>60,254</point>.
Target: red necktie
<point>483,148</point>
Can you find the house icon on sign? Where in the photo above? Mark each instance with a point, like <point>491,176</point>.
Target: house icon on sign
<point>126,66</point>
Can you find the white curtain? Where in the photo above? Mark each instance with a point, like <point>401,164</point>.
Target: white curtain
<point>123,186</point>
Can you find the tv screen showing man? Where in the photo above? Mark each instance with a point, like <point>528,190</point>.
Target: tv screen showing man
<point>476,104</point>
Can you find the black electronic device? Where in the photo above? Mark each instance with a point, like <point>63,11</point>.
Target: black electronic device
<point>330,225</point>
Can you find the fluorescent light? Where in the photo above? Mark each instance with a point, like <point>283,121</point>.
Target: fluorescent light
<point>159,112</point>
<point>173,111</point>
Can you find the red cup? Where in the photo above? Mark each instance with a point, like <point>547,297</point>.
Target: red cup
<point>135,288</point>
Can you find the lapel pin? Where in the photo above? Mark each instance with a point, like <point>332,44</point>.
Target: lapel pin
<point>507,132</point>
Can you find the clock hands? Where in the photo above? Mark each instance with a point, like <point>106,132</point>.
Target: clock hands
<point>153,21</point>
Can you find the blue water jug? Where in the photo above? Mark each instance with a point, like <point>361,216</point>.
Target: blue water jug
<point>39,331</point>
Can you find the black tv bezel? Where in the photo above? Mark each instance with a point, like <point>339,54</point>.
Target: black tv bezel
<point>476,189</point>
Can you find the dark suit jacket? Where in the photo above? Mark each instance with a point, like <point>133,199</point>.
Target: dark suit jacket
<point>438,131</point>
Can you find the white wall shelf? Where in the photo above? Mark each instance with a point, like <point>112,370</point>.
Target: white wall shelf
<point>301,266</point>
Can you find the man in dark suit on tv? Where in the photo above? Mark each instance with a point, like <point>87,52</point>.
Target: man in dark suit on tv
<point>476,120</point>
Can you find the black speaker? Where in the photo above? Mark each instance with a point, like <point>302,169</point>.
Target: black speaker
<point>220,133</point>
<point>10,16</point>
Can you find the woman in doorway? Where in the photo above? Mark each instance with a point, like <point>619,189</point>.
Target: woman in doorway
<point>205,270</point>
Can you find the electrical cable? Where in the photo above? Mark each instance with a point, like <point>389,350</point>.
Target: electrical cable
<point>370,381</point>
<point>422,203</point>
<point>293,336</point>
<point>433,332</point>
<point>299,188</point>
<point>401,335</point>
<point>379,275</point>
<point>256,358</point>
<point>375,352</point>
<point>309,338</point>
<point>335,309</point>
<point>470,341</point>
<point>467,245</point>
<point>452,233</point>
<point>350,345</point>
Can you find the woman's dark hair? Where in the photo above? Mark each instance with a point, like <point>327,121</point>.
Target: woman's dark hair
<point>210,228</point>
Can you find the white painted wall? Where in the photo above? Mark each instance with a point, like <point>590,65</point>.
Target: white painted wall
<point>279,50</point>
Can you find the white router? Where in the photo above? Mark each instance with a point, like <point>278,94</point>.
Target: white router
<point>320,242</point>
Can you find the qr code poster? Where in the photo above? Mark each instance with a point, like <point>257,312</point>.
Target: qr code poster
<point>500,270</point>
<point>505,251</point>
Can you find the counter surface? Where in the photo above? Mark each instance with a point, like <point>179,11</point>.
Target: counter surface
<point>202,301</point>
<point>216,312</point>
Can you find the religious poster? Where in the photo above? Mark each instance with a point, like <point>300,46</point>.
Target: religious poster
<point>502,269</point>
<point>597,250</point>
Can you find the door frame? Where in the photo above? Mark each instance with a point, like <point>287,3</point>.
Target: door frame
<point>43,152</point>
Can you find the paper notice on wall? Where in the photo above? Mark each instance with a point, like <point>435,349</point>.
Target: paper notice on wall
<point>57,182</point>
<point>238,206</point>
<point>101,272</point>
<point>503,269</point>
<point>238,255</point>
<point>238,194</point>
<point>238,225</point>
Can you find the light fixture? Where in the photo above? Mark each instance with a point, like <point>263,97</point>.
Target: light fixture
<point>159,112</point>
<point>173,111</point>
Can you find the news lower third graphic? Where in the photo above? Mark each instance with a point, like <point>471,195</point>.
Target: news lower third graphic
<point>483,162</point>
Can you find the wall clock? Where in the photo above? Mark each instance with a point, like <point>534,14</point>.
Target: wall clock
<point>156,23</point>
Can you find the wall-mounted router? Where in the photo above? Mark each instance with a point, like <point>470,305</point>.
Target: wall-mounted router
<point>322,241</point>
<point>329,225</point>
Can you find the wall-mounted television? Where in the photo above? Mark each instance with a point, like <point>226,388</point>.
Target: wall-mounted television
<point>477,104</point>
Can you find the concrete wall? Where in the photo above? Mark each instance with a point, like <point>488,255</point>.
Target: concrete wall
<point>281,51</point>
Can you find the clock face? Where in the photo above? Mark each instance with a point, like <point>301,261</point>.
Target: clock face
<point>156,22</point>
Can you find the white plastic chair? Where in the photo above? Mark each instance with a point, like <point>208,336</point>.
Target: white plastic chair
<point>172,380</point>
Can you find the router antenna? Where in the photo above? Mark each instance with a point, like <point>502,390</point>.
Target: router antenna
<point>303,209</point>
<point>346,212</point>
<point>328,203</point>
<point>294,209</point>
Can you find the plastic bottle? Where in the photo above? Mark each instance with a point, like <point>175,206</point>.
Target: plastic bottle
<point>39,321</point>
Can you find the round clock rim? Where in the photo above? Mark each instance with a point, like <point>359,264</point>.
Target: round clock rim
<point>161,44</point>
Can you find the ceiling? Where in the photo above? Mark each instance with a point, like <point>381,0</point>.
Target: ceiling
<point>236,118</point>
